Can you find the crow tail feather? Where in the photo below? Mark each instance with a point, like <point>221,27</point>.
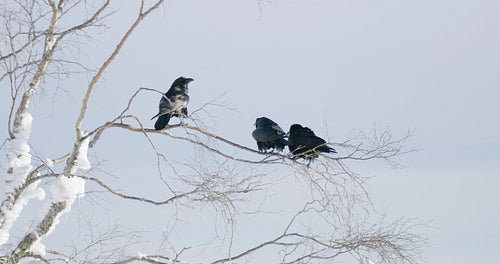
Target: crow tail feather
<point>162,122</point>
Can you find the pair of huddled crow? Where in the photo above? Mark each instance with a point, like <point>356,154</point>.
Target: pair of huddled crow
<point>302,142</point>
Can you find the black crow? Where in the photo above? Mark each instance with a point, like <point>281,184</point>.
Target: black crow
<point>173,103</point>
<point>268,135</point>
<point>303,143</point>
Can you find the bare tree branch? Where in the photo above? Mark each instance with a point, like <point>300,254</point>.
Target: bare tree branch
<point>101,70</point>
<point>49,48</point>
<point>124,196</point>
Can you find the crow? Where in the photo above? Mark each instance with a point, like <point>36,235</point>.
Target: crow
<point>303,143</point>
<point>268,135</point>
<point>173,103</point>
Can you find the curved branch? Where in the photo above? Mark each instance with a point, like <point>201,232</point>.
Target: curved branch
<point>393,244</point>
<point>88,22</point>
<point>134,129</point>
<point>101,70</point>
<point>155,259</point>
<point>141,199</point>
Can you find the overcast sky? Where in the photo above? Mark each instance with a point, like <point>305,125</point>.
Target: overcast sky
<point>432,67</point>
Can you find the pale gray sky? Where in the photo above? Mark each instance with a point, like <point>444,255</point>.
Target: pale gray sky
<point>428,66</point>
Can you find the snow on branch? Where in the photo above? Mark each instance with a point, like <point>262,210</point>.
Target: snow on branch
<point>18,154</point>
<point>68,188</point>
<point>65,191</point>
<point>82,161</point>
<point>19,167</point>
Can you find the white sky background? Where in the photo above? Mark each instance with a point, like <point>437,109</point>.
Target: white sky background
<point>428,66</point>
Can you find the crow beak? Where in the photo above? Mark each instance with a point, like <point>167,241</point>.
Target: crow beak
<point>187,80</point>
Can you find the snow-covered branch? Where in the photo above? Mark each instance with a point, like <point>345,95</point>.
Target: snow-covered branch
<point>67,188</point>
<point>19,167</point>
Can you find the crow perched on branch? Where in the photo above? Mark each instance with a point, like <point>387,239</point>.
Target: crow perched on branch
<point>268,135</point>
<point>173,103</point>
<point>303,143</point>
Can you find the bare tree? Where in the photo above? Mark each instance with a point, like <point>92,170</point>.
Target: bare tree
<point>221,174</point>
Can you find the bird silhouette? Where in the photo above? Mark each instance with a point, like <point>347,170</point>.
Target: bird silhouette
<point>303,143</point>
<point>268,135</point>
<point>173,102</point>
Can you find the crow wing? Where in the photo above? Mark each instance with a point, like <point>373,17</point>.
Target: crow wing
<point>174,105</point>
